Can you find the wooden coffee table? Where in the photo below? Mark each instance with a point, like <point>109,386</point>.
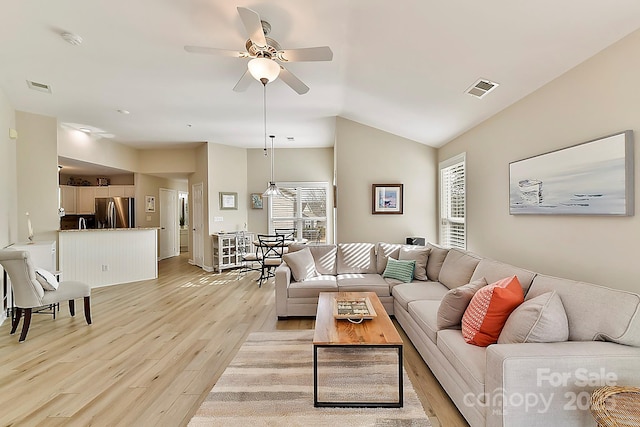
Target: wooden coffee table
<point>378,332</point>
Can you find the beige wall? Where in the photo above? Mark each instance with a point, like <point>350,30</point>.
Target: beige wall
<point>173,161</point>
<point>149,185</point>
<point>78,145</point>
<point>227,173</point>
<point>367,156</point>
<point>597,98</point>
<point>8,184</point>
<point>37,175</point>
<point>290,165</point>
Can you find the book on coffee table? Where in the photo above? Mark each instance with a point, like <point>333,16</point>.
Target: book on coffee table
<point>353,308</point>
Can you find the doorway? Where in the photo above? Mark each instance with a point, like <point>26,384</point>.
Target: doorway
<point>198,225</point>
<point>183,220</point>
<point>168,223</point>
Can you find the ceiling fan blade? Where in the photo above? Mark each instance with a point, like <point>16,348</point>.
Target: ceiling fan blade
<point>251,22</point>
<point>244,82</point>
<point>322,53</point>
<point>215,51</point>
<point>293,82</point>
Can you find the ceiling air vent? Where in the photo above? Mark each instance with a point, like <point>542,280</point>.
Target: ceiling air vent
<point>481,87</point>
<point>39,86</point>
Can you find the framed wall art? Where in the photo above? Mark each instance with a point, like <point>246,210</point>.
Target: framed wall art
<point>256,201</point>
<point>228,201</point>
<point>591,178</point>
<point>149,203</point>
<point>387,199</point>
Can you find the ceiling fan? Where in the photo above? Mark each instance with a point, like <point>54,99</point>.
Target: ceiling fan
<point>267,55</point>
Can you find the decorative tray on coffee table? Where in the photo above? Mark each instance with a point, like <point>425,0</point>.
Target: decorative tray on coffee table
<point>353,309</point>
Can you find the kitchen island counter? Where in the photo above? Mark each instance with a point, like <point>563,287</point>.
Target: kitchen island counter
<point>109,256</point>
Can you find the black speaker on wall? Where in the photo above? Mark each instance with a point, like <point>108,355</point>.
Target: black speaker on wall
<point>415,241</point>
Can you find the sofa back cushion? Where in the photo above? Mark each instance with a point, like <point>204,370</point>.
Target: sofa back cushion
<point>436,258</point>
<point>384,251</point>
<point>356,258</point>
<point>595,313</point>
<point>457,268</point>
<point>496,270</point>
<point>323,255</point>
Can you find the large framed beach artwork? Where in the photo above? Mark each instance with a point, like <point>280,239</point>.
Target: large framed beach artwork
<point>591,178</point>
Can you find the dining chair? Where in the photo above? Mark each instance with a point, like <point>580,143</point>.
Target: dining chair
<point>288,233</point>
<point>272,249</point>
<point>28,293</point>
<point>248,257</point>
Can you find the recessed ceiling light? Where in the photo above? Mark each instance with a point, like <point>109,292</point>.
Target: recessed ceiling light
<point>72,39</point>
<point>123,111</point>
<point>85,130</point>
<point>189,125</point>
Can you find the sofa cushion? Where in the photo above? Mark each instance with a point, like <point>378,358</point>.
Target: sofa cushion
<point>302,264</point>
<point>384,251</point>
<point>594,312</point>
<point>425,313</point>
<point>495,270</point>
<point>468,360</point>
<point>458,268</point>
<point>356,258</point>
<point>358,282</point>
<point>436,258</point>
<point>421,256</point>
<point>312,287</point>
<point>455,302</point>
<point>400,270</point>
<point>489,309</point>
<point>539,319</point>
<point>324,256</point>
<point>405,293</point>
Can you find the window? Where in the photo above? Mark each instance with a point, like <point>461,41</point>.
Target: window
<point>453,233</point>
<point>304,208</point>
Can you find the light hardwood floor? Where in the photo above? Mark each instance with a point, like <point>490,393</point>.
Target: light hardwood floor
<point>152,354</point>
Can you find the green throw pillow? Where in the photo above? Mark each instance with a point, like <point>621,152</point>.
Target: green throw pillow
<point>400,269</point>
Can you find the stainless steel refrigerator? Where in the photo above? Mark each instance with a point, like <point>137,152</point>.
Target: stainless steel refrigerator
<point>115,212</point>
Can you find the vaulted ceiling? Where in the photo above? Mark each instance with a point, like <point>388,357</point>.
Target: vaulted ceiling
<point>402,66</point>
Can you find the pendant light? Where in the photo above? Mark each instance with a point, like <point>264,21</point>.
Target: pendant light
<point>273,189</point>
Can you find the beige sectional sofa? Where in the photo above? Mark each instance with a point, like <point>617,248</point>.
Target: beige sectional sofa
<point>511,385</point>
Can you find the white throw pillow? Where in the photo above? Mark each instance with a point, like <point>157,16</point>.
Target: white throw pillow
<point>302,264</point>
<point>540,319</point>
<point>46,279</point>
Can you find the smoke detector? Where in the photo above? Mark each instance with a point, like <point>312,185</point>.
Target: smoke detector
<point>72,39</point>
<point>481,87</point>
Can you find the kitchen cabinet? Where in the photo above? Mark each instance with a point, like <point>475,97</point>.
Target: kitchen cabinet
<point>102,191</point>
<point>122,191</point>
<point>68,198</point>
<point>85,200</point>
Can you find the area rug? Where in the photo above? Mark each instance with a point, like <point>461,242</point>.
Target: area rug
<point>270,383</point>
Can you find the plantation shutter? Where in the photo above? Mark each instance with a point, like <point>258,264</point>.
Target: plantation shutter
<point>453,203</point>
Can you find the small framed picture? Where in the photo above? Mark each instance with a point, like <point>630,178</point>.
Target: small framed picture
<point>387,199</point>
<point>256,201</point>
<point>228,201</point>
<point>149,203</point>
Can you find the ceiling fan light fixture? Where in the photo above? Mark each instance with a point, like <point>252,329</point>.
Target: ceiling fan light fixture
<point>264,68</point>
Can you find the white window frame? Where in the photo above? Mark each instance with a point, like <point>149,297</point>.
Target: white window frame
<point>299,219</point>
<point>445,216</point>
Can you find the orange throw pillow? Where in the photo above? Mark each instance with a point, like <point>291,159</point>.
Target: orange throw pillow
<point>489,310</point>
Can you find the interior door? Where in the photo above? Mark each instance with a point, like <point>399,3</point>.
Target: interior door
<point>168,223</point>
<point>198,225</point>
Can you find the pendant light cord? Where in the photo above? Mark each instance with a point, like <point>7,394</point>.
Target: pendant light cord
<point>272,158</point>
<point>264,112</point>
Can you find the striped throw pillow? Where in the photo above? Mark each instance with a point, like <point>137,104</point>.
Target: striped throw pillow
<point>400,269</point>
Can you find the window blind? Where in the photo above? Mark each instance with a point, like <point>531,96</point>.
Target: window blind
<point>453,203</point>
